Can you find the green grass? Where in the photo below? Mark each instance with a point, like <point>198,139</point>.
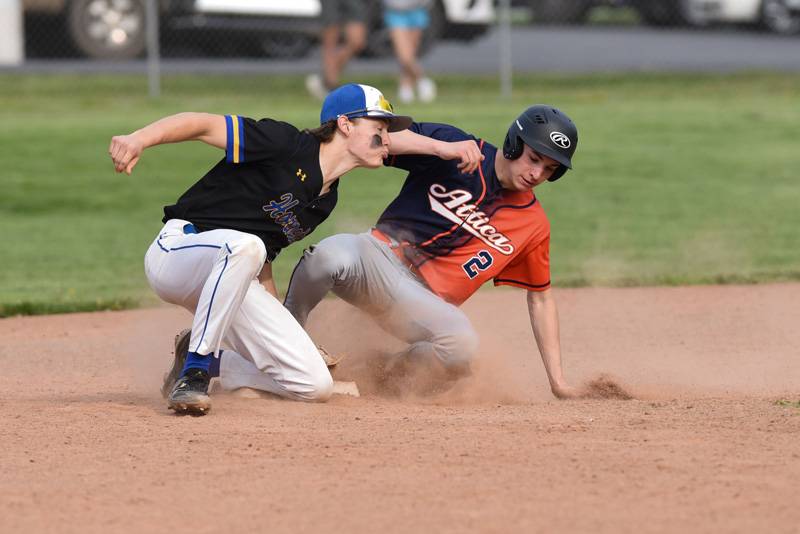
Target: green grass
<point>679,179</point>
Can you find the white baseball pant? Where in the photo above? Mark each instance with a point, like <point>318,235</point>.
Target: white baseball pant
<point>214,275</point>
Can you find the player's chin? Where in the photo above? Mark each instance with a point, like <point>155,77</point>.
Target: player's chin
<point>374,163</point>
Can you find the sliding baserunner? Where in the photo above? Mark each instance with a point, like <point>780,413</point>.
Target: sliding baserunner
<point>446,234</point>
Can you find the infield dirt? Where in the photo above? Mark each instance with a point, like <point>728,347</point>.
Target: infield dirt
<point>709,441</point>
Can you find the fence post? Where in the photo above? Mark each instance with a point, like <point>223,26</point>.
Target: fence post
<point>12,35</point>
<point>504,37</point>
<point>153,53</point>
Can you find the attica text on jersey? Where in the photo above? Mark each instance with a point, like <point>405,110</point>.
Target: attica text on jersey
<point>453,207</point>
<point>282,213</point>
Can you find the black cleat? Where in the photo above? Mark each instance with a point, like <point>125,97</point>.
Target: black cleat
<point>190,394</point>
<point>181,349</point>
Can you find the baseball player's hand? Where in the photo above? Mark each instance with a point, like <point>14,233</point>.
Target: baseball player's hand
<point>466,151</point>
<point>125,151</point>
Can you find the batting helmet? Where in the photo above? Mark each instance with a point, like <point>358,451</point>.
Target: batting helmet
<point>546,130</point>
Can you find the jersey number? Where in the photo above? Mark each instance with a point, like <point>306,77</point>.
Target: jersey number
<point>481,262</point>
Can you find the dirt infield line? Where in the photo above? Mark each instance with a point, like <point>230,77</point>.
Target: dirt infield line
<point>705,445</point>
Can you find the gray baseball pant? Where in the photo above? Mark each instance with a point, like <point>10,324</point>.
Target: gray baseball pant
<point>364,271</point>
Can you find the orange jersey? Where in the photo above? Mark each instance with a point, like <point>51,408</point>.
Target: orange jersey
<point>520,258</point>
<point>457,231</point>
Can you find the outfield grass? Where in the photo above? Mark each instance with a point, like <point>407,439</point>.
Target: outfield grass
<point>680,179</point>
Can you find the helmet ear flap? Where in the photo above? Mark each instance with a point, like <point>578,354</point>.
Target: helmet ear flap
<point>558,173</point>
<point>512,146</point>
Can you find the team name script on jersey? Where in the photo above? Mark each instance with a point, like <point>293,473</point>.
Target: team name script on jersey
<point>281,212</point>
<point>455,209</point>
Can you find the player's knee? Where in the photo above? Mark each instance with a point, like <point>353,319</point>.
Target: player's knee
<point>467,347</point>
<point>320,388</point>
<point>330,258</point>
<point>459,347</point>
<point>250,250</point>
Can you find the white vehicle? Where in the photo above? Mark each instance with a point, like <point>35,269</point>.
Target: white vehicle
<point>289,28</point>
<point>279,28</point>
<point>779,16</point>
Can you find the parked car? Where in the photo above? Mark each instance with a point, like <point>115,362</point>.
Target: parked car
<point>779,16</point>
<point>113,29</point>
<point>97,28</point>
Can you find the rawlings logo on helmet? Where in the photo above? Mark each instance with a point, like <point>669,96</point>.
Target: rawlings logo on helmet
<point>560,139</point>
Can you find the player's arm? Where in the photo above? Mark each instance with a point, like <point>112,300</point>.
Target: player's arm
<point>544,321</point>
<point>408,142</point>
<point>125,150</point>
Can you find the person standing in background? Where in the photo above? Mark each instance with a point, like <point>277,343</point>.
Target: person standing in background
<point>338,16</point>
<point>406,20</point>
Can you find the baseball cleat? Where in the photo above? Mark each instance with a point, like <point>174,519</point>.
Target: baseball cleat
<point>181,349</point>
<point>331,360</point>
<point>190,394</point>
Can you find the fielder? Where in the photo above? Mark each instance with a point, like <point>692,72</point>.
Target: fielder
<point>274,186</point>
<point>445,234</point>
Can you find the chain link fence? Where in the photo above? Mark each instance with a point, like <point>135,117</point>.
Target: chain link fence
<point>283,36</point>
<point>116,29</point>
<point>289,29</point>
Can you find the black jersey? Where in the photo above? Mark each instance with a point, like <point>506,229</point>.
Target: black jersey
<point>267,185</point>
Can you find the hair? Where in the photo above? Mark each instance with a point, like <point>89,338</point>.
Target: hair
<point>324,132</point>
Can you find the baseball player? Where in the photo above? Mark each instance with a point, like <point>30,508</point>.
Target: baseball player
<point>274,186</point>
<point>445,234</point>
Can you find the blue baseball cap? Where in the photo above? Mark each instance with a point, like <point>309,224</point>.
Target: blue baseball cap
<point>355,100</point>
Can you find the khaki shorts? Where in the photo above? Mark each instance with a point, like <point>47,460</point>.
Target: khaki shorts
<point>335,12</point>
